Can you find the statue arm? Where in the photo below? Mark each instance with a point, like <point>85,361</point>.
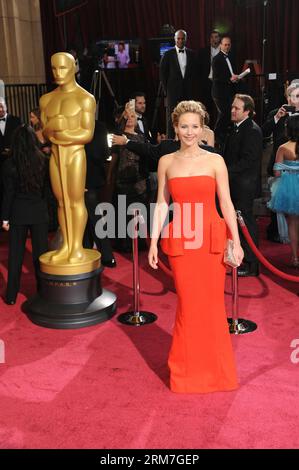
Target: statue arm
<point>84,133</point>
<point>42,104</point>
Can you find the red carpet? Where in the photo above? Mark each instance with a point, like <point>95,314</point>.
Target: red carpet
<point>107,386</point>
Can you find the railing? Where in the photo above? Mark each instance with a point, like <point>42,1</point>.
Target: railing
<point>21,98</point>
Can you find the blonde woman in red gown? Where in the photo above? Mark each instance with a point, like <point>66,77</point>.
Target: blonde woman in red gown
<point>201,357</point>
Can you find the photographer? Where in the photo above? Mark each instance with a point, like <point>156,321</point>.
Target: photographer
<point>275,125</point>
<point>276,119</point>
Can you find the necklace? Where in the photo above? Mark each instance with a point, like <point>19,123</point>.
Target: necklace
<point>191,157</point>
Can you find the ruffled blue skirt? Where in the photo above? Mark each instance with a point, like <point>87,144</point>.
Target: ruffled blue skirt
<point>285,193</point>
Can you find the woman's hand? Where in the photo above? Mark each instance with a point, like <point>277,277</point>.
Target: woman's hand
<point>238,253</point>
<point>153,257</point>
<point>280,113</point>
<point>119,139</point>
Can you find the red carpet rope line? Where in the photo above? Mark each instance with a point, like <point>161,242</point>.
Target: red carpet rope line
<point>250,242</point>
<point>259,255</point>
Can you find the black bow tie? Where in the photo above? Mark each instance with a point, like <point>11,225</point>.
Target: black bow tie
<point>139,119</point>
<point>2,119</point>
<point>182,50</point>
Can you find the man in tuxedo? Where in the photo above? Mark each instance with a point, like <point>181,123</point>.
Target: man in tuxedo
<point>140,108</point>
<point>205,73</point>
<point>223,88</point>
<point>177,74</point>
<point>243,155</point>
<point>8,124</point>
<point>143,128</point>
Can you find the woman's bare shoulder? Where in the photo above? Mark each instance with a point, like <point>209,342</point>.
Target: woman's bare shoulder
<point>217,162</point>
<point>286,151</point>
<point>167,157</point>
<point>215,158</point>
<point>166,160</point>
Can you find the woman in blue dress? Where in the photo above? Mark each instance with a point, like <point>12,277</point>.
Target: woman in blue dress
<point>285,191</point>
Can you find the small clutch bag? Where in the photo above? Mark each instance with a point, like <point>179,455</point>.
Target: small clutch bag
<point>229,257</point>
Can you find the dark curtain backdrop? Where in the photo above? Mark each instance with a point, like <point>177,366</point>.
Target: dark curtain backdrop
<point>144,18</point>
<point>246,20</point>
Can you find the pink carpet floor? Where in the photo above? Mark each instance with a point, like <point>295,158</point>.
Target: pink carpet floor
<point>106,386</point>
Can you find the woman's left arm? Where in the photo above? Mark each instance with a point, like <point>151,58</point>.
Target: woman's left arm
<point>226,205</point>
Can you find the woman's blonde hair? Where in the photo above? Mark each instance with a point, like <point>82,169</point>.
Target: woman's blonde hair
<point>188,107</point>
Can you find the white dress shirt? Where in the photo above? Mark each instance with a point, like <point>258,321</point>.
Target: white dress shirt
<point>238,124</point>
<point>214,51</point>
<point>229,65</point>
<point>140,123</point>
<point>3,124</point>
<point>182,58</point>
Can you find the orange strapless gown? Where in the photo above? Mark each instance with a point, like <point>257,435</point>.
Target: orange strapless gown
<point>201,356</point>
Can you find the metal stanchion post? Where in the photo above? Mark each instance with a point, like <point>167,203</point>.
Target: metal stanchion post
<point>238,326</point>
<point>136,317</point>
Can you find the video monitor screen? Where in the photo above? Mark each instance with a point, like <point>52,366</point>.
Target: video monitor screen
<point>165,46</point>
<point>158,47</point>
<point>118,53</point>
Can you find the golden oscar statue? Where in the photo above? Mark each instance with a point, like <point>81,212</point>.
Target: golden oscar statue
<point>70,294</point>
<point>68,118</point>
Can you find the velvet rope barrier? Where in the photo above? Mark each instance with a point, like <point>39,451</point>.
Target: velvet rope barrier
<point>261,258</point>
<point>259,255</point>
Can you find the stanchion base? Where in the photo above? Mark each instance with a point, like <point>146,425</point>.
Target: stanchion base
<point>241,326</point>
<point>137,318</point>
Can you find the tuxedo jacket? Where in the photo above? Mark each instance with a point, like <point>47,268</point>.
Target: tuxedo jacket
<point>22,208</point>
<point>243,156</point>
<point>177,87</point>
<point>12,122</point>
<point>97,152</point>
<point>204,63</point>
<point>147,133</point>
<point>221,76</point>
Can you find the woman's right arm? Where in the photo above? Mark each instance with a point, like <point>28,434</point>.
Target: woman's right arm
<point>160,213</point>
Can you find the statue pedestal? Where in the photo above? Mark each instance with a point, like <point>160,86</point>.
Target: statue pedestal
<point>70,301</point>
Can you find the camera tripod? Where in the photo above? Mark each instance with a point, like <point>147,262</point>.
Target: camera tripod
<point>159,97</point>
<point>96,88</point>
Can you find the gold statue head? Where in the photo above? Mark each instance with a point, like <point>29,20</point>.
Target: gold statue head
<point>63,68</point>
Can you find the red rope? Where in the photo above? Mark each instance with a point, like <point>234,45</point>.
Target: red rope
<point>259,255</point>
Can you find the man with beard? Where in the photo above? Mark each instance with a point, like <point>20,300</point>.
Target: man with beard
<point>243,154</point>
